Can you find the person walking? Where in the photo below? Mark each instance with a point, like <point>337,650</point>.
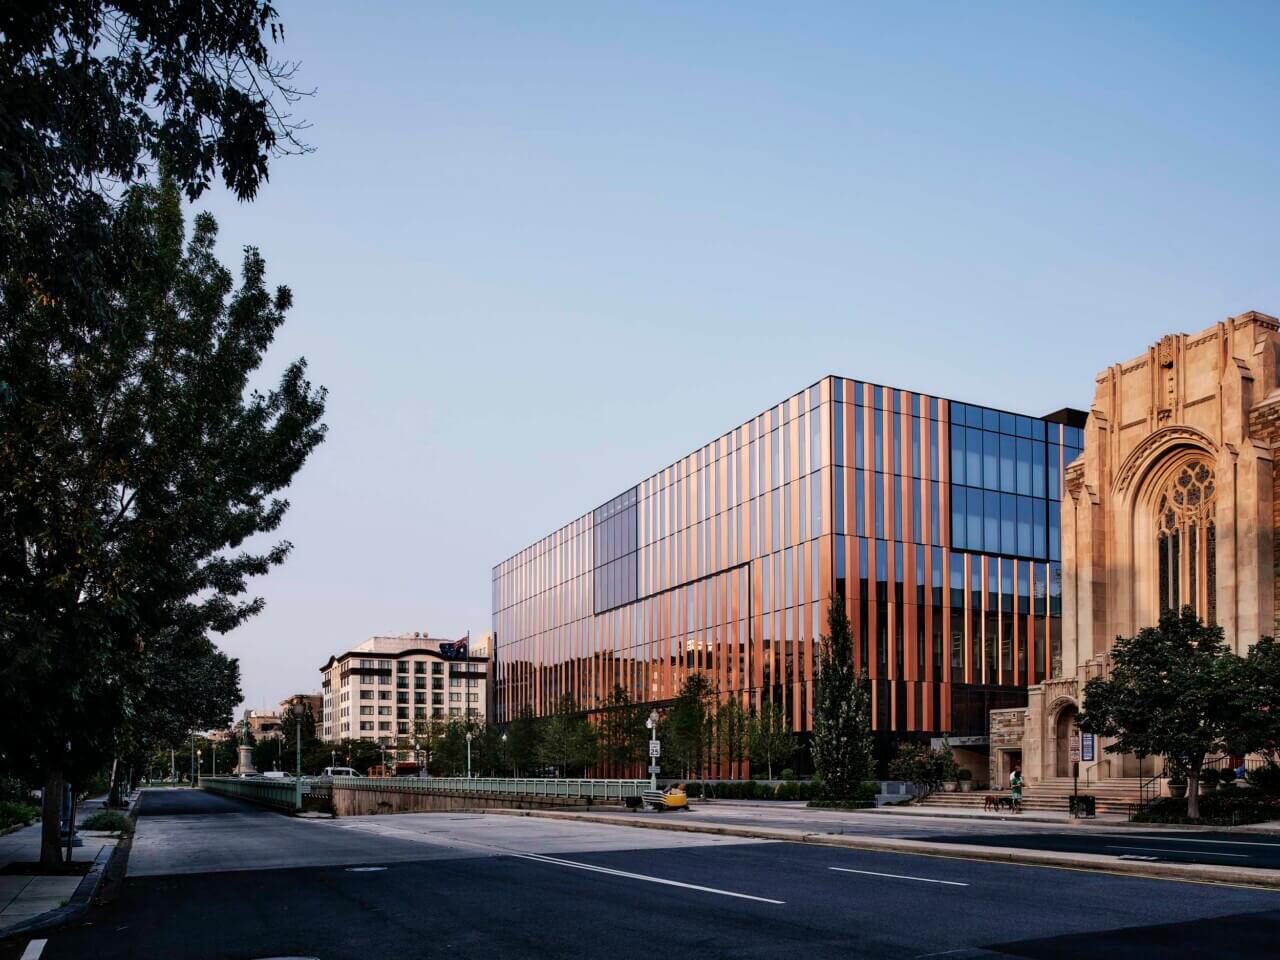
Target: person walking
<point>1015,788</point>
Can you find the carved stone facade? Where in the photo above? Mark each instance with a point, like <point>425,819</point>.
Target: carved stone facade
<point>1174,501</point>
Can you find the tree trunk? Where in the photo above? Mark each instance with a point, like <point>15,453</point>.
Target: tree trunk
<point>1193,789</point>
<point>50,818</point>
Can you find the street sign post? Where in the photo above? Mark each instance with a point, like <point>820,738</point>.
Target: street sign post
<point>655,749</point>
<point>1075,771</point>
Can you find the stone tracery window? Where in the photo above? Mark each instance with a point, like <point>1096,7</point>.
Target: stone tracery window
<point>1187,541</point>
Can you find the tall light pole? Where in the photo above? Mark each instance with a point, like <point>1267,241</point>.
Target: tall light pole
<point>199,760</point>
<point>504,753</point>
<point>468,754</point>
<point>298,766</point>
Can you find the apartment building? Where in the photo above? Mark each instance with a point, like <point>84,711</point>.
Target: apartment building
<point>381,688</point>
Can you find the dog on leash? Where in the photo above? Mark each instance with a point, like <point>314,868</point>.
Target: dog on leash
<point>993,803</point>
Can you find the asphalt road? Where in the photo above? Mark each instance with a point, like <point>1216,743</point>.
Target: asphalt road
<point>212,878</point>
<point>1162,844</point>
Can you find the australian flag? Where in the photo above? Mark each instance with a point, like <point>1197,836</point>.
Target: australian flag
<point>457,650</point>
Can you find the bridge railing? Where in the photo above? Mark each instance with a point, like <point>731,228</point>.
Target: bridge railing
<point>281,793</point>
<point>524,786</point>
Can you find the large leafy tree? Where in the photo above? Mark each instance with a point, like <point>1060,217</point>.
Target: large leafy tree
<point>621,730</point>
<point>769,737</point>
<point>842,746</point>
<point>568,741</point>
<point>731,734</point>
<point>138,465</point>
<point>686,724</point>
<point>1177,690</point>
<point>522,742</point>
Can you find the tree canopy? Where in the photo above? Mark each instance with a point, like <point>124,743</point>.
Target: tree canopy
<point>842,745</point>
<point>139,465</point>
<point>1177,690</point>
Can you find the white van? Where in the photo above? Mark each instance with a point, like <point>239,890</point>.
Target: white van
<point>275,775</point>
<point>339,772</point>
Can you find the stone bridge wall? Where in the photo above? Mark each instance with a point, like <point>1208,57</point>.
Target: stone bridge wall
<point>353,802</point>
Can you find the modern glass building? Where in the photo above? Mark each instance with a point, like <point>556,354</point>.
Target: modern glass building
<point>936,521</point>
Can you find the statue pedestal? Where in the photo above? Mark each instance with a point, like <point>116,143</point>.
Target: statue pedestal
<point>245,767</point>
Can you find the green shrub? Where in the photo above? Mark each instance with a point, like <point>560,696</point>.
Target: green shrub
<point>1209,777</point>
<point>1221,808</point>
<point>1226,776</point>
<point>95,786</point>
<point>1265,778</point>
<point>693,790</point>
<point>12,812</point>
<point>112,821</point>
<point>13,790</point>
<point>964,774</point>
<point>787,774</point>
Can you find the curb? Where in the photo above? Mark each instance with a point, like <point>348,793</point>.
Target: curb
<point>86,889</point>
<point>1196,873</point>
<point>78,904</point>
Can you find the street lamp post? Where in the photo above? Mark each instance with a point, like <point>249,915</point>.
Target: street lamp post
<point>468,754</point>
<point>199,760</point>
<point>504,753</point>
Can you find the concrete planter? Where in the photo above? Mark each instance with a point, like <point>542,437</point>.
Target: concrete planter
<point>964,786</point>
<point>1177,790</point>
<point>949,787</point>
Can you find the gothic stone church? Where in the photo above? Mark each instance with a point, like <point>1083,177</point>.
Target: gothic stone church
<point>1172,502</point>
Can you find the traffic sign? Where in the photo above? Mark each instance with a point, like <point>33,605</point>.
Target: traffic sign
<point>1075,748</point>
<point>655,748</point>
<point>1086,746</point>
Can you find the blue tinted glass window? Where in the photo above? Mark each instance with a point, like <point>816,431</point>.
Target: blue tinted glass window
<point>934,499</point>
<point>877,397</point>
<point>1024,467</point>
<point>915,404</point>
<point>1008,462</point>
<point>991,522</point>
<point>1055,475</point>
<point>957,455</point>
<point>1038,528</point>
<point>1024,427</point>
<point>973,457</point>
<point>897,401</point>
<point>958,518</point>
<point>1055,536</point>
<point>1008,524</point>
<point>1037,468</point>
<point>991,460</point>
<point>990,420</point>
<point>1025,510</point>
<point>879,435</point>
<point>1037,430</point>
<point>975,417</point>
<point>933,408</point>
<point>915,447</point>
<point>974,514</point>
<point>959,414</point>
<point>1007,423</point>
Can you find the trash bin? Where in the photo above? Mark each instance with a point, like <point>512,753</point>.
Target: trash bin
<point>1084,805</point>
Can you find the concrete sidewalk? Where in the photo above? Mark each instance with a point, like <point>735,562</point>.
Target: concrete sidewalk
<point>25,898</point>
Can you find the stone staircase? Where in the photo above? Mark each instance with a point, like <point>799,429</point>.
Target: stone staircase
<point>1051,795</point>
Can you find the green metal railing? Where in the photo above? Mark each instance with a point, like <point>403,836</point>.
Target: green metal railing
<point>523,786</point>
<point>280,793</point>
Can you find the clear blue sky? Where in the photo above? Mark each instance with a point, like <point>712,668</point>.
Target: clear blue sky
<point>543,250</point>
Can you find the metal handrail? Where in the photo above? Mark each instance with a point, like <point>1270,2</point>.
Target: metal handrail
<point>524,786</point>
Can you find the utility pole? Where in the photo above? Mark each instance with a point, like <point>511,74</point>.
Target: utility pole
<point>468,754</point>
<point>298,766</point>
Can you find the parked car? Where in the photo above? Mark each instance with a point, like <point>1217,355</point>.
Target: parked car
<point>339,772</point>
<point>275,775</point>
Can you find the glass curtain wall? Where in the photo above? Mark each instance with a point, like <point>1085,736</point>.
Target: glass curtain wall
<point>936,521</point>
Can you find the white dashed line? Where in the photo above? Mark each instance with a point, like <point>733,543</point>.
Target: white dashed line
<point>899,876</point>
<point>1207,853</point>
<point>34,949</point>
<point>640,876</point>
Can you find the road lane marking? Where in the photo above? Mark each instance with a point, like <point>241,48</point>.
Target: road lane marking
<point>641,876</point>
<point>1234,843</point>
<point>33,951</point>
<point>1207,853</point>
<point>899,876</point>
